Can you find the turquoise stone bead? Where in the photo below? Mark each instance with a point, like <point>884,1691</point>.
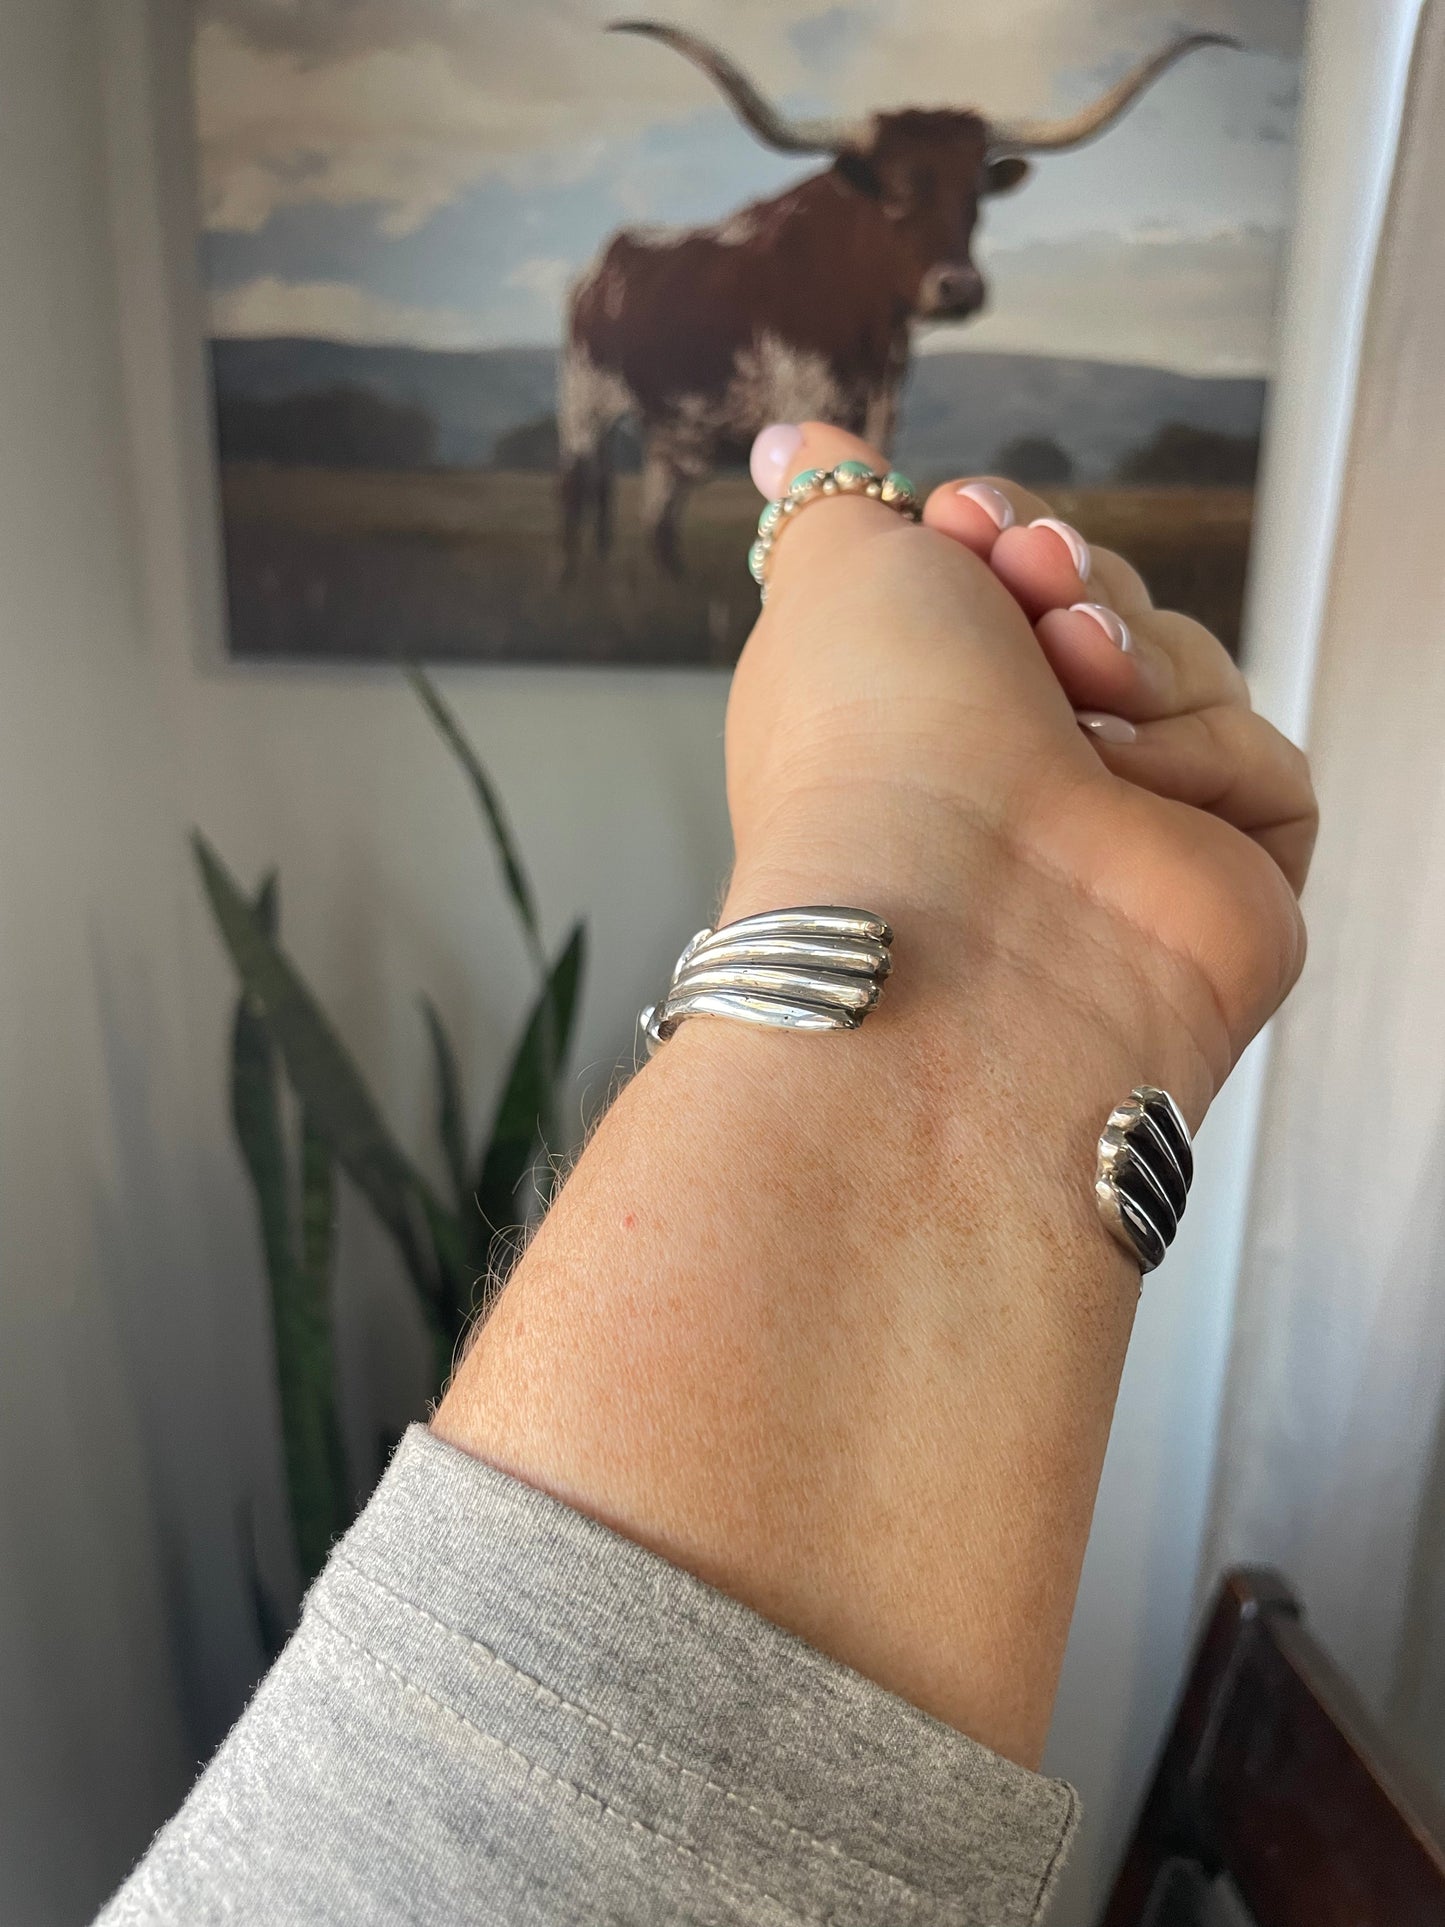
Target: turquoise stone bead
<point>853,475</point>
<point>769,519</point>
<point>809,479</point>
<point>757,560</point>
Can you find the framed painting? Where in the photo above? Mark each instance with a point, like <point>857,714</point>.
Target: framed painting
<point>499,295</point>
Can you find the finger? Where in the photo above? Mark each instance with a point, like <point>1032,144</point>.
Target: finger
<point>855,557</point>
<point>1118,583</point>
<point>785,449</point>
<point>1225,760</point>
<point>1041,562</point>
<point>971,513</point>
<point>1023,506</point>
<point>1030,570</point>
<point>1044,565</point>
<point>1157,664</point>
<point>816,539</point>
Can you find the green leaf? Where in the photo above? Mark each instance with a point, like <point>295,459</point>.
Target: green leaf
<point>267,907</point>
<point>300,1290</point>
<point>256,1119</point>
<point>563,993</point>
<point>318,1259</point>
<point>460,1269</point>
<point>527,1112</point>
<point>518,885</point>
<point>451,1121</point>
<point>274,1625</point>
<point>332,1091</point>
<point>457,1254</point>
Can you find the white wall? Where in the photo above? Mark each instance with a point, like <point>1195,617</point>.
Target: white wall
<point>137,1411</point>
<point>1333,1442</point>
<point>95,1222</point>
<point>1143,1586</point>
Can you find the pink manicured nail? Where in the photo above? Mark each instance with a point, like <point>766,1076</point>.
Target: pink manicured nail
<point>1106,728</point>
<point>1077,547</point>
<point>772,453</point>
<point>992,501</point>
<point>1113,626</point>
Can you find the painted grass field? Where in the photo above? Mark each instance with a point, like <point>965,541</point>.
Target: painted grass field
<point>434,564</point>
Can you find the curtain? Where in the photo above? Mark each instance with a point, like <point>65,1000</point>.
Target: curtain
<point>1332,1444</point>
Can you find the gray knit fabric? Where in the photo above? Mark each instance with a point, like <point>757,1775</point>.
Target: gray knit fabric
<point>495,1710</point>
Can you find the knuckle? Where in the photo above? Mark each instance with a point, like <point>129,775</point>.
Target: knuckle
<point>1120,583</point>
<point>1202,663</point>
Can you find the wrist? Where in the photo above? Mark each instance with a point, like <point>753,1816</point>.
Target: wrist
<point>995,960</point>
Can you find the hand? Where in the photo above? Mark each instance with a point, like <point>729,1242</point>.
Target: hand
<point>1172,835</point>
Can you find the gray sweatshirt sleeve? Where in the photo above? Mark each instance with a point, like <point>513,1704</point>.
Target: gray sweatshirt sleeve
<point>496,1710</point>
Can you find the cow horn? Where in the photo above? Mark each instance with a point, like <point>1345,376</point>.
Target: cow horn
<point>1049,136</point>
<point>788,136</point>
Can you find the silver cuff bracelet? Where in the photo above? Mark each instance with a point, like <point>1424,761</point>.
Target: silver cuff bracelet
<point>822,967</point>
<point>814,968</point>
<point>1145,1169</point>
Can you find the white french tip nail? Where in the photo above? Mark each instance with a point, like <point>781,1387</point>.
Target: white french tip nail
<point>1113,626</point>
<point>1072,540</point>
<point>994,503</point>
<point>1105,728</point>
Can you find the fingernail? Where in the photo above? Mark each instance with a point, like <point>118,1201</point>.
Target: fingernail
<point>1105,728</point>
<point>1077,547</point>
<point>992,501</point>
<point>1113,626</point>
<point>772,453</point>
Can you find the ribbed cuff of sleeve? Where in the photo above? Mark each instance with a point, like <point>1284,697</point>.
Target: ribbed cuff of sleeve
<point>738,1773</point>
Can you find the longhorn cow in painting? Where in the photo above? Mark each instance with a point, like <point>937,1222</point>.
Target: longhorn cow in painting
<point>797,307</point>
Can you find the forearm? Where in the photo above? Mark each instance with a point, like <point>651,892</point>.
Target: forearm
<point>831,1322</point>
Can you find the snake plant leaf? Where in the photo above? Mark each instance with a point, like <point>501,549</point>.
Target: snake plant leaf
<point>518,885</point>
<point>460,1256</point>
<point>450,730</point>
<point>460,1269</point>
<point>325,1077</point>
<point>256,1120</point>
<point>317,1268</point>
<point>300,1288</point>
<point>451,1121</point>
<point>267,906</point>
<point>273,1625</point>
<point>527,1112</point>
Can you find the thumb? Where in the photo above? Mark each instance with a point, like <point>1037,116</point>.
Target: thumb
<point>787,448</point>
<point>868,615</point>
<point>786,451</point>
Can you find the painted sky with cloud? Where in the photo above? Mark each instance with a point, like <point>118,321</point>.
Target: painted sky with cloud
<point>433,171</point>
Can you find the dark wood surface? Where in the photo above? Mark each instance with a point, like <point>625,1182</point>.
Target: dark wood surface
<point>1276,1774</point>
